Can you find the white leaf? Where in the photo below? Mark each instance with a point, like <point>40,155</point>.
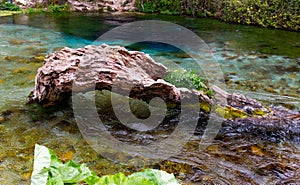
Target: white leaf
<point>42,160</point>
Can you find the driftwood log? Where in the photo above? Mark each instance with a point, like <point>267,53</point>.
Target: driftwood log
<point>112,67</point>
<point>103,68</point>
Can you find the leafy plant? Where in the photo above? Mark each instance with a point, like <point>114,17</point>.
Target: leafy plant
<point>108,8</point>
<point>30,10</point>
<point>48,169</point>
<point>54,8</point>
<point>100,8</point>
<point>9,6</point>
<point>266,13</point>
<point>161,6</point>
<point>146,177</point>
<point>188,79</point>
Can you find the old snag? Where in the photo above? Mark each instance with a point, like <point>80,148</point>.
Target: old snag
<point>103,67</point>
<point>131,72</point>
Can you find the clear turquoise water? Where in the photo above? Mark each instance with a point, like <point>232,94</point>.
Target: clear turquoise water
<point>252,59</point>
<point>261,63</point>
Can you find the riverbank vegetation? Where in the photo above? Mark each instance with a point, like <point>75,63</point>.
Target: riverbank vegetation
<point>282,14</point>
<point>7,8</point>
<point>53,8</point>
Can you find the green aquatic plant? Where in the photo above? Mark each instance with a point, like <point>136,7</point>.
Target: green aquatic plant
<point>48,169</point>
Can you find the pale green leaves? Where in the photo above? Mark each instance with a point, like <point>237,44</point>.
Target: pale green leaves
<point>50,170</point>
<point>146,177</point>
<point>42,160</point>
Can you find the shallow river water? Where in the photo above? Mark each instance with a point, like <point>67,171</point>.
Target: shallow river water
<point>258,62</point>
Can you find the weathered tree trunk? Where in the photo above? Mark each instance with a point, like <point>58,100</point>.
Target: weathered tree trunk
<point>103,68</point>
<point>135,73</point>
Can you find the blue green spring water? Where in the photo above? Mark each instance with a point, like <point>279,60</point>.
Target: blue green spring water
<point>261,63</point>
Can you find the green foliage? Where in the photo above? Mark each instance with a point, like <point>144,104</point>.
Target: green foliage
<point>267,13</point>
<point>54,8</point>
<point>29,10</point>
<point>145,177</point>
<point>100,8</point>
<point>181,78</point>
<point>161,6</point>
<point>109,9</point>
<point>34,10</point>
<point>50,170</point>
<point>283,14</point>
<point>190,80</point>
<point>4,5</point>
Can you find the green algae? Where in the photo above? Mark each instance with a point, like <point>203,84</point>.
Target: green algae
<point>230,112</point>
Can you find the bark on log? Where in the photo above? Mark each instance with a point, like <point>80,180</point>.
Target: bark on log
<point>112,67</point>
<point>103,68</point>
